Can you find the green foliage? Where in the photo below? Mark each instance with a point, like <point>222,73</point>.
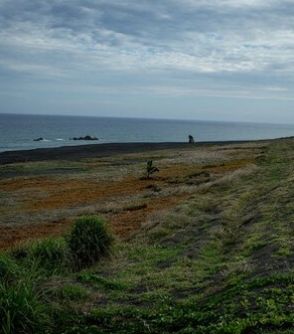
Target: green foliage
<point>20,309</point>
<point>72,292</point>
<point>8,268</point>
<point>89,241</point>
<point>100,281</point>
<point>235,310</point>
<point>19,252</point>
<point>50,253</point>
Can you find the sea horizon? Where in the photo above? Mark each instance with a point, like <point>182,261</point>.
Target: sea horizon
<point>18,131</point>
<point>150,118</point>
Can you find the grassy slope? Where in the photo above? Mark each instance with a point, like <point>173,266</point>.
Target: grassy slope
<point>220,263</point>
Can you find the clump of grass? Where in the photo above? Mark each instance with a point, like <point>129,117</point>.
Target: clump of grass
<point>51,254</point>
<point>19,252</point>
<point>8,268</point>
<point>89,241</point>
<point>20,309</point>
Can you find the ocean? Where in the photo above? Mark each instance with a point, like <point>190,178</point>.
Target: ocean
<point>17,132</point>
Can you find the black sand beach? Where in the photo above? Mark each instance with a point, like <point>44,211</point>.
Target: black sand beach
<point>82,151</point>
<point>93,150</point>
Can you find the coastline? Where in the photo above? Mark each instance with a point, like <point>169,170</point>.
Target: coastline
<point>101,150</point>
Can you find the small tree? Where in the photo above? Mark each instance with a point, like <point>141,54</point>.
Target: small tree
<point>150,169</point>
<point>191,139</point>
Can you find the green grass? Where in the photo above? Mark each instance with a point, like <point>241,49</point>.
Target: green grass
<point>222,262</point>
<point>21,309</point>
<point>51,254</point>
<point>26,297</point>
<point>9,270</point>
<point>71,293</point>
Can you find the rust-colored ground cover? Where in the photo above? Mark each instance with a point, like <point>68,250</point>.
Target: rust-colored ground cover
<point>11,235</point>
<point>58,200</point>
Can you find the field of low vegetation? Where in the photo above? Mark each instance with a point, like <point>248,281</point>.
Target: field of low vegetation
<point>203,246</point>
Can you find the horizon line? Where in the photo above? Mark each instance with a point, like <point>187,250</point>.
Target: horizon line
<point>148,118</point>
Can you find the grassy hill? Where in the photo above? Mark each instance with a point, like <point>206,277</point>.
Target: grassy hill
<point>219,260</point>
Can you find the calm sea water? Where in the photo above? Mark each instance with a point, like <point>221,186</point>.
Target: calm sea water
<point>18,131</point>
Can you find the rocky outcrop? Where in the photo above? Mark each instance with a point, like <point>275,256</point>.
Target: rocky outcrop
<point>85,138</point>
<point>191,139</point>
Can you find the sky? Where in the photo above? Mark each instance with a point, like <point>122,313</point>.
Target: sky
<point>230,60</point>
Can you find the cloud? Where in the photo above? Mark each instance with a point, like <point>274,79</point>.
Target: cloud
<point>230,3</point>
<point>243,43</point>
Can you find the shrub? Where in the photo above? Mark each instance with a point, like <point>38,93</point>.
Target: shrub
<point>89,241</point>
<point>20,309</point>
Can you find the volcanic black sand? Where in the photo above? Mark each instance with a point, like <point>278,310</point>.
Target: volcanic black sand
<point>92,150</point>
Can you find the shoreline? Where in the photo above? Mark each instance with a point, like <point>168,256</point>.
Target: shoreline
<point>101,150</point>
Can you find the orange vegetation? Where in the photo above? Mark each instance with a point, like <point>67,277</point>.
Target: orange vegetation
<point>127,222</point>
<point>11,235</point>
<point>50,193</point>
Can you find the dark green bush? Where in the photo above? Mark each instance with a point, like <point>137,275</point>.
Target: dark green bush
<point>89,241</point>
<point>20,309</point>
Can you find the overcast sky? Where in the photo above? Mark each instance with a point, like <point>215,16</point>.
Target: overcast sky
<point>196,59</point>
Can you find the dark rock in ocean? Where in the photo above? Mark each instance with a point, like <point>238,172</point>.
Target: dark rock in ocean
<point>191,139</point>
<point>39,139</point>
<point>85,138</point>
